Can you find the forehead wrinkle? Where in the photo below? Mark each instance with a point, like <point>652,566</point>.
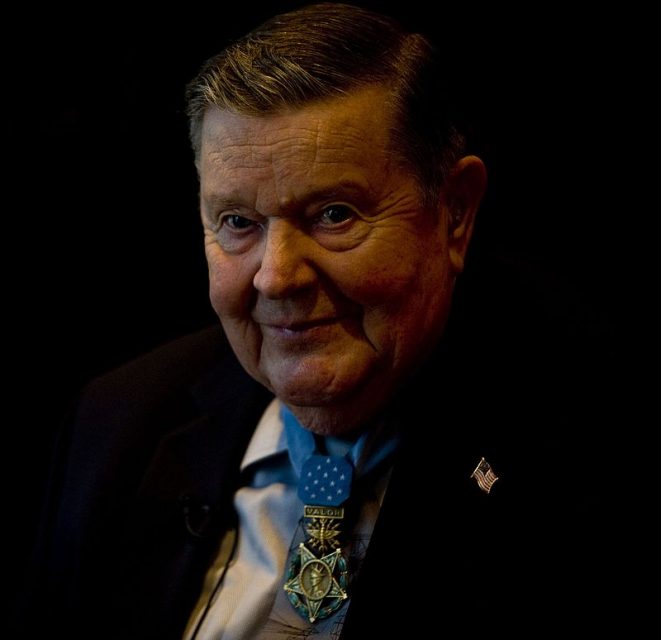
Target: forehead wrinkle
<point>294,157</point>
<point>256,155</point>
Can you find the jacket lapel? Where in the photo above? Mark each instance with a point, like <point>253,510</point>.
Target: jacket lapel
<point>184,504</point>
<point>437,530</point>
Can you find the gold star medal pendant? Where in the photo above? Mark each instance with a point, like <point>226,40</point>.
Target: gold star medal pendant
<point>316,582</point>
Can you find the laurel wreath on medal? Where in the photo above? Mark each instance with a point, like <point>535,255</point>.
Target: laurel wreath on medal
<point>317,586</point>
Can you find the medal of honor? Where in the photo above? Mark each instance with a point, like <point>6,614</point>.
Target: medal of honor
<point>316,582</point>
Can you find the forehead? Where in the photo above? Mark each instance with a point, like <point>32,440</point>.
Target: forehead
<point>349,134</point>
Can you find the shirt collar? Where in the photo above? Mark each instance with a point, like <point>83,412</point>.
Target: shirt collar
<point>372,447</point>
<point>269,437</point>
<point>278,432</point>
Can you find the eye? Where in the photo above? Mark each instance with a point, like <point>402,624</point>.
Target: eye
<point>336,214</point>
<point>236,222</point>
<point>237,229</point>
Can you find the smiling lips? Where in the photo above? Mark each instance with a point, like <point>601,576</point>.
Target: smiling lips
<point>297,328</point>
<point>301,325</point>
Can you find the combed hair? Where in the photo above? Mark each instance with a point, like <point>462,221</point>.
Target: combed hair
<point>327,50</point>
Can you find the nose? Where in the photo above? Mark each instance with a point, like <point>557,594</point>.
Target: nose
<point>286,265</point>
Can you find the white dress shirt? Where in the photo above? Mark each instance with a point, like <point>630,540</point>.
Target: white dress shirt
<point>247,574</point>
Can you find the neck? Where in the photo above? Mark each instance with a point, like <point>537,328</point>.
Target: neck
<point>333,422</point>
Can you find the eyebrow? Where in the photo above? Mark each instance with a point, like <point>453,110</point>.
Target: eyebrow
<point>351,187</point>
<point>357,190</point>
<point>221,202</point>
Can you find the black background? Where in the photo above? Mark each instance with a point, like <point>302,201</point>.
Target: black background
<point>103,247</point>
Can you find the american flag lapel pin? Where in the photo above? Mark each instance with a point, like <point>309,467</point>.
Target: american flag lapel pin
<point>484,475</point>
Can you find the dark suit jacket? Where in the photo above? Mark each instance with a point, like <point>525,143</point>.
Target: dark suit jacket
<point>146,469</point>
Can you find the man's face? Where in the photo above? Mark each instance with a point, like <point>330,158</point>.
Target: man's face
<point>330,279</point>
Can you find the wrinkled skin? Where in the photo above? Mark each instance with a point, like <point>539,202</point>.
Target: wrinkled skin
<point>329,277</point>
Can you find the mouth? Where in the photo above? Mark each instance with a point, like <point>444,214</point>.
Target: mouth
<point>299,326</point>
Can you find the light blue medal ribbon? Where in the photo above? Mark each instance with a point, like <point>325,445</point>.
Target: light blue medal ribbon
<point>316,581</point>
<point>325,481</point>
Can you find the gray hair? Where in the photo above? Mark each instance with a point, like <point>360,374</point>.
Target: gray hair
<point>326,50</point>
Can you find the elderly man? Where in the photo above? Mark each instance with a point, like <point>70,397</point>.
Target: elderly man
<point>344,457</point>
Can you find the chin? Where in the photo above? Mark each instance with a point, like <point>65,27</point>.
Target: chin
<point>314,391</point>
<point>327,421</point>
<point>333,414</point>
<point>327,400</point>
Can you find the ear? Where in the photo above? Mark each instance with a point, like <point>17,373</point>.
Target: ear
<point>463,193</point>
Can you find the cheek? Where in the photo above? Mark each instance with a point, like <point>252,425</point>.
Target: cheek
<point>385,274</point>
<point>403,289</point>
<point>230,283</point>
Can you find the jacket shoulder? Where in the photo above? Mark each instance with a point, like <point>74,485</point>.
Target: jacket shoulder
<point>122,416</point>
<point>161,375</point>
<point>102,459</point>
